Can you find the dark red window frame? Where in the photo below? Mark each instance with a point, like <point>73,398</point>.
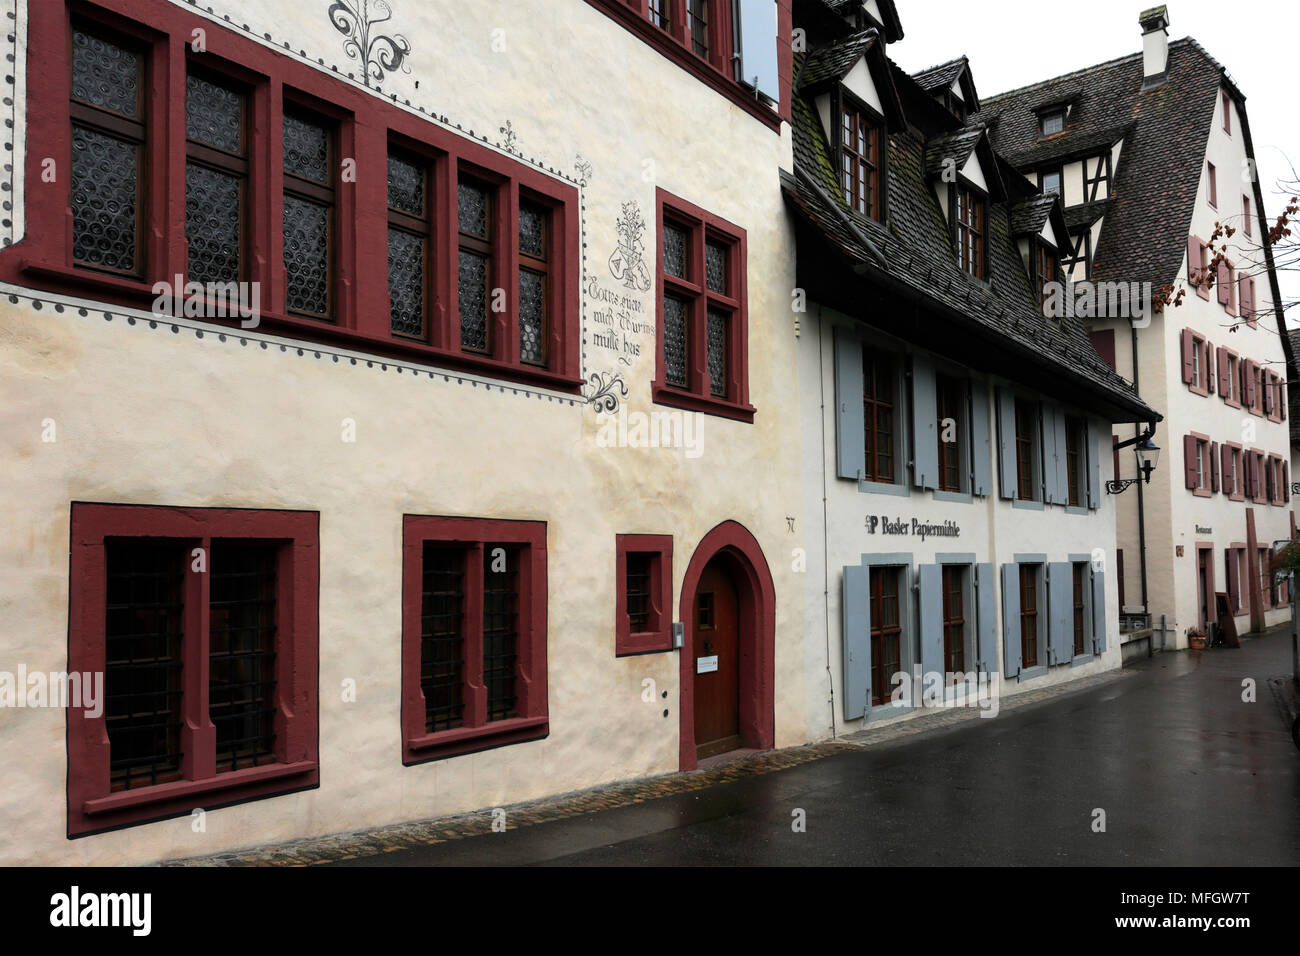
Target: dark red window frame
<point>92,806</point>
<point>861,166</point>
<point>715,70</point>
<point>657,636</point>
<point>970,230</point>
<point>366,126</point>
<point>698,395</point>
<point>525,539</point>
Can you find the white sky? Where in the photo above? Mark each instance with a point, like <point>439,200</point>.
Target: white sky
<point>1014,42</point>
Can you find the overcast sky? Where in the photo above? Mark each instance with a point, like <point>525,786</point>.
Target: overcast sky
<point>1015,42</point>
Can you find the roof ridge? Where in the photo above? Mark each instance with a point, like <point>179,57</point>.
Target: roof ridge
<point>937,66</point>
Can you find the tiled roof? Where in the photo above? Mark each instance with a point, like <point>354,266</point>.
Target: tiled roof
<point>957,146</point>
<point>1085,214</point>
<point>917,252</point>
<point>940,77</point>
<point>1030,215</point>
<point>833,62</point>
<point>1144,235</point>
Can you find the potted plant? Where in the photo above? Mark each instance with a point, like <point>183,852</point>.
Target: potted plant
<point>1195,638</point>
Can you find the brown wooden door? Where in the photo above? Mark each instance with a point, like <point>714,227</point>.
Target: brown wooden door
<point>717,692</point>
<point>1202,583</point>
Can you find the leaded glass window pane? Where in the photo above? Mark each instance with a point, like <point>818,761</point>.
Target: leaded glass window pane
<point>676,246</point>
<point>104,175</point>
<point>715,266</point>
<point>214,115</point>
<point>472,209</point>
<point>675,324</point>
<point>213,201</point>
<point>306,255</point>
<point>532,316</point>
<point>473,286</point>
<point>717,341</point>
<point>105,74</point>
<point>306,149</point>
<point>406,257</point>
<point>532,230</point>
<point>500,631</point>
<point>405,186</point>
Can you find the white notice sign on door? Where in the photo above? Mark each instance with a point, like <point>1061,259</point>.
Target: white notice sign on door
<point>706,665</point>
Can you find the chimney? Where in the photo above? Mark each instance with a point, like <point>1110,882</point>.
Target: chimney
<point>1155,46</point>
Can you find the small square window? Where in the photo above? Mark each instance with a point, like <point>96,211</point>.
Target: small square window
<point>643,602</point>
<point>1052,183</point>
<point>1052,123</point>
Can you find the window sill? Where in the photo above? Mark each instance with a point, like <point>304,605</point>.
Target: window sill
<point>877,712</point>
<point>1202,492</point>
<point>958,497</point>
<point>178,798</point>
<point>1080,659</point>
<point>1032,673</point>
<point>1028,504</point>
<point>464,740</point>
<point>897,489</point>
<point>648,642</point>
<point>666,395</point>
<point>120,286</point>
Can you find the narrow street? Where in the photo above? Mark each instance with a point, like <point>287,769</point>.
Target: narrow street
<point>1187,773</point>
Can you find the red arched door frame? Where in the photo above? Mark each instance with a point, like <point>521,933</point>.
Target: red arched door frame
<point>743,558</point>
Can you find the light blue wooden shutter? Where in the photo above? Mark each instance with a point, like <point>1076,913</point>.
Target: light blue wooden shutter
<point>1090,436</point>
<point>856,601</point>
<point>1051,455</point>
<point>1099,616</point>
<point>981,439</point>
<point>1062,458</point>
<point>985,619</point>
<point>925,424</point>
<point>1007,443</point>
<point>1060,608</point>
<point>850,428</point>
<point>931,582</point>
<point>1011,620</point>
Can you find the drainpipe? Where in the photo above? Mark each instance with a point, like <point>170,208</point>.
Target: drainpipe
<point>1142,515</point>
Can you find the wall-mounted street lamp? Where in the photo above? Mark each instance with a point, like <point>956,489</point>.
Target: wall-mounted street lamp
<point>1148,454</point>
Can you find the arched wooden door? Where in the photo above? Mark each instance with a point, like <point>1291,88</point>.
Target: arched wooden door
<point>716,647</point>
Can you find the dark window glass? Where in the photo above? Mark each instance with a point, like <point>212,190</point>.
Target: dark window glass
<point>1053,123</point>
<point>676,251</point>
<point>886,633</point>
<point>1028,615</point>
<point>409,244</point>
<point>214,115</point>
<point>715,266</point>
<point>1052,183</point>
<point>534,268</point>
<point>659,12</point>
<point>106,74</point>
<point>442,642</point>
<point>1026,449</point>
<point>970,232</point>
<point>860,176</point>
<point>1080,579</point>
<point>675,347</point>
<point>954,619</point>
<point>500,629</point>
<point>718,339</point>
<point>241,653</point>
<point>306,148</point>
<point>878,398</point>
<point>638,592</point>
<point>142,674</point>
<point>308,215</point>
<point>952,407</point>
<point>216,174</point>
<point>697,15</point>
<point>406,185</point>
<point>473,212</point>
<point>1074,458</point>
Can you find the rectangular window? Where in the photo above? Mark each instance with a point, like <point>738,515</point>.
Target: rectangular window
<point>1029,574</point>
<point>109,140</point>
<point>1026,450</point>
<point>309,214</point>
<point>1227,112</point>
<point>879,393</point>
<point>1052,123</point>
<point>970,231</point>
<point>954,618</point>
<point>216,179</point>
<point>860,160</point>
<point>410,244</point>
<point>1079,607</point>
<point>703,332</point>
<point>205,623</point>
<point>1245,215</point>
<point>660,12</point>
<point>475,214</point>
<point>1074,461</point>
<point>1044,270</point>
<point>697,15</point>
<point>886,633</point>
<point>1214,184</point>
<point>643,603</point>
<point>1265,577</point>
<point>474,635</point>
<point>951,405</point>
<point>1050,183</point>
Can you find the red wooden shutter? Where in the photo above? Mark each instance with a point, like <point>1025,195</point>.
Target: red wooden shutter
<point>1225,283</point>
<point>1189,461</point>
<point>1225,453</point>
<point>1193,259</point>
<point>1250,385</point>
<point>1188,344</point>
<point>1225,387</point>
<point>1214,466</point>
<point>1286,482</point>
<point>1208,365</point>
<point>1246,298</point>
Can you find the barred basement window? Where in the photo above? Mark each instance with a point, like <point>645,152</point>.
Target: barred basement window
<point>241,653</point>
<point>638,592</point>
<point>534,281</point>
<point>717,341</point>
<point>216,179</point>
<point>697,16</point>
<point>142,676</point>
<point>410,242</point>
<point>1029,615</point>
<point>474,208</point>
<point>442,638</point>
<point>108,140</point>
<point>500,629</point>
<point>642,613</point>
<point>308,214</point>
<point>676,344</point>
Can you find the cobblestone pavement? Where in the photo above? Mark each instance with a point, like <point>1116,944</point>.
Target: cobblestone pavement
<point>369,843</point>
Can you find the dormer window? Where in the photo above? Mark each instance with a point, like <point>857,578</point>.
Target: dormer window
<point>1052,122</point>
<point>860,161</point>
<point>1044,269</point>
<point>971,238</point>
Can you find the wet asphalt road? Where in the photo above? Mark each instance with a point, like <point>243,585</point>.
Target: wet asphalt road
<point>1186,773</point>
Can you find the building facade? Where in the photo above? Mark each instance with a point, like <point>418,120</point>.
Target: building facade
<point>376,393</point>
<point>1151,155</point>
<point>954,435</point>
